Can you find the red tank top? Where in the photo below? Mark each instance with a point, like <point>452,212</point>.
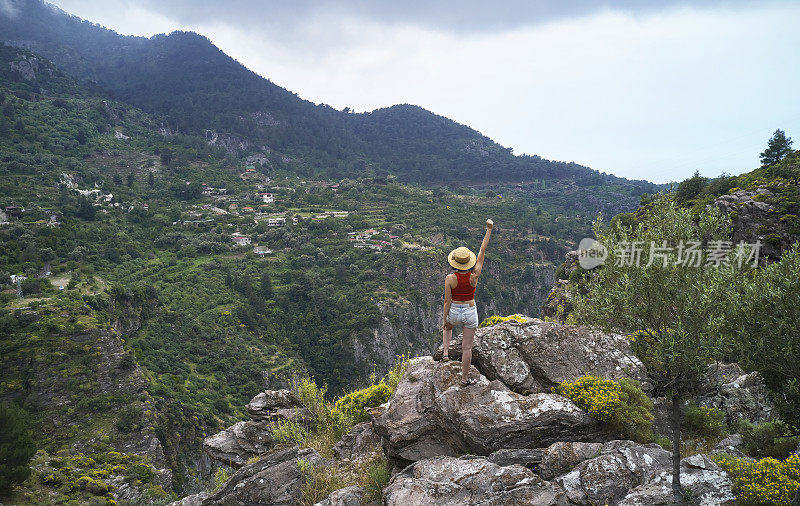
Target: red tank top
<point>463,291</point>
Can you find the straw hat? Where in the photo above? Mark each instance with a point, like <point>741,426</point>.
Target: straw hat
<point>462,259</point>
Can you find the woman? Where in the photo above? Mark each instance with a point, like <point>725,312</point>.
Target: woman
<point>459,300</point>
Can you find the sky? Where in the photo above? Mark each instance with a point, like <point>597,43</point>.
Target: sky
<point>642,89</point>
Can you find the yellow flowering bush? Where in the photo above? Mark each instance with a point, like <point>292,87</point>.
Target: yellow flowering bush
<point>765,481</point>
<point>495,319</point>
<point>352,405</point>
<point>620,404</point>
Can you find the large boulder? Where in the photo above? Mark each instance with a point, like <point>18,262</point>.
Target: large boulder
<point>279,405</point>
<point>274,479</point>
<point>536,355</point>
<point>430,414</point>
<point>348,496</point>
<point>469,480</point>
<point>358,444</point>
<point>607,477</point>
<point>530,458</point>
<point>707,483</point>
<point>235,445</point>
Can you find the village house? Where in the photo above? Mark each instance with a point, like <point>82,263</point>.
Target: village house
<point>13,211</point>
<point>240,240</point>
<point>267,198</point>
<point>262,251</point>
<point>276,222</point>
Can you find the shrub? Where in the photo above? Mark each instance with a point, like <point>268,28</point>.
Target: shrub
<point>16,447</point>
<point>377,476</point>
<point>220,477</point>
<point>765,481</point>
<point>769,439</point>
<point>495,319</point>
<point>622,405</point>
<point>352,405</point>
<point>92,485</point>
<point>701,421</point>
<point>318,482</point>
<point>287,431</point>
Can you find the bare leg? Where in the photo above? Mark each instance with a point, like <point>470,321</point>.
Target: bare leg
<point>447,334</point>
<point>466,352</point>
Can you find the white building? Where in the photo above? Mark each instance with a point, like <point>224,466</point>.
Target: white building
<point>240,240</point>
<point>276,222</point>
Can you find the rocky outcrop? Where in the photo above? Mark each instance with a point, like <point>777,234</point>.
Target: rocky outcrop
<point>701,478</point>
<point>348,496</point>
<point>274,479</point>
<point>470,480</point>
<point>536,355</point>
<point>279,405</point>
<point>235,445</point>
<point>606,478</point>
<point>754,218</point>
<point>742,396</point>
<point>430,414</point>
<point>530,458</point>
<point>360,443</point>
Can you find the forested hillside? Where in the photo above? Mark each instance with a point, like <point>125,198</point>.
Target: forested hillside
<point>199,90</point>
<point>177,278</point>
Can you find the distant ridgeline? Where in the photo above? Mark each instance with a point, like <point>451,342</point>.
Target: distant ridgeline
<point>201,90</point>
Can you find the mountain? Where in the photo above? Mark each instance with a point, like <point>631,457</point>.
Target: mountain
<point>200,90</point>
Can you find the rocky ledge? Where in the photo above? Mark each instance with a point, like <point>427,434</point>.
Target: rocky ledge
<point>504,439</point>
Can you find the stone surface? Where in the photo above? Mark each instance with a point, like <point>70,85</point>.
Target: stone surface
<point>741,396</point>
<point>559,458</point>
<point>236,444</point>
<point>431,414</point>
<point>536,355</point>
<point>607,478</point>
<point>530,458</point>
<point>274,479</point>
<point>274,405</point>
<point>707,483</point>
<point>469,480</point>
<point>731,445</point>
<point>191,500</point>
<point>358,444</point>
<point>348,496</point>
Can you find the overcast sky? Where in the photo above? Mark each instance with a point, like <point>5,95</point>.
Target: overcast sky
<point>641,89</point>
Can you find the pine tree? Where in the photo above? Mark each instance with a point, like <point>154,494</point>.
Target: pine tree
<point>16,447</point>
<point>777,148</point>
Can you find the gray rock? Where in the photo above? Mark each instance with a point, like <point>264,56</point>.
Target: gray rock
<point>796,500</point>
<point>431,414</point>
<point>730,445</point>
<point>536,355</point>
<point>530,458</point>
<point>274,479</point>
<point>607,478</point>
<point>275,405</point>
<point>348,496</point>
<point>191,500</point>
<point>561,457</point>
<point>359,443</point>
<point>739,395</point>
<point>236,444</point>
<point>707,483</point>
<point>469,480</point>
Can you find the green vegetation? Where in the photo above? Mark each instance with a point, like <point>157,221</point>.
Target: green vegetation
<point>701,421</point>
<point>774,439</point>
<point>495,319</point>
<point>778,147</point>
<point>16,447</point>
<point>622,405</point>
<point>765,481</point>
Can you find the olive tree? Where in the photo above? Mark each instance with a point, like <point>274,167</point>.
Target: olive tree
<point>664,283</point>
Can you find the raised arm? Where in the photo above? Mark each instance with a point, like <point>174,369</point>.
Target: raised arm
<point>482,252</point>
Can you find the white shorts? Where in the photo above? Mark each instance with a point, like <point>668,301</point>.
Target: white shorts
<point>463,315</point>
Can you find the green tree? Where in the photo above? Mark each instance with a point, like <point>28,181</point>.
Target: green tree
<point>691,187</point>
<point>777,148</point>
<point>16,447</point>
<point>672,308</point>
